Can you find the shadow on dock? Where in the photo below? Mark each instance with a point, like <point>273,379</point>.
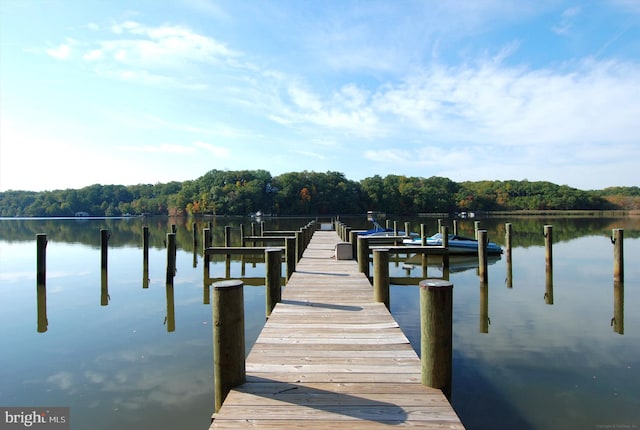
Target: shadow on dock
<point>320,401</point>
<point>323,305</point>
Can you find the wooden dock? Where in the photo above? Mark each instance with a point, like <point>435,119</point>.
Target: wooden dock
<point>329,357</point>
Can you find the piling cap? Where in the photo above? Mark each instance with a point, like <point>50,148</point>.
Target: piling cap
<point>229,283</point>
<point>435,284</point>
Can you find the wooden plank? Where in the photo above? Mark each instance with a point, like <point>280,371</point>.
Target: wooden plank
<point>330,358</point>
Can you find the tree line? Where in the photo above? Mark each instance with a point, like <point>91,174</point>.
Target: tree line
<point>311,193</point>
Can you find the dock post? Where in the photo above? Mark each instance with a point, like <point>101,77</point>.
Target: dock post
<point>41,259</point>
<point>423,234</point>
<point>407,228</point>
<point>353,238</point>
<point>618,254</point>
<point>444,232</point>
<point>171,257</point>
<point>299,245</point>
<point>145,257</point>
<point>363,255</point>
<point>548,245</point>
<point>395,228</point>
<point>228,338</point>
<point>436,330</point>
<point>381,276</point>
<point>476,227</point>
<point>273,260</point>
<point>455,227</point>
<point>194,228</point>
<point>290,249</point>
<point>482,256</point>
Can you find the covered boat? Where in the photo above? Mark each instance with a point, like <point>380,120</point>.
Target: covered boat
<point>457,244</point>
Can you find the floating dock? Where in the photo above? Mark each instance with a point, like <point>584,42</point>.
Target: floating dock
<point>329,357</point>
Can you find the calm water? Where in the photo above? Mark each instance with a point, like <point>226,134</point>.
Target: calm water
<point>559,355</point>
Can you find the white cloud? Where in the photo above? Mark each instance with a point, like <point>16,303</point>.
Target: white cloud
<point>62,52</point>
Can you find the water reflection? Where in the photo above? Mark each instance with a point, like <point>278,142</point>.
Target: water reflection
<point>484,307</point>
<point>617,322</point>
<point>104,287</point>
<point>41,305</point>
<point>548,293</point>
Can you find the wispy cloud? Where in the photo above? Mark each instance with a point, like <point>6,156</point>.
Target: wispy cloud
<point>566,21</point>
<point>217,151</point>
<point>163,148</point>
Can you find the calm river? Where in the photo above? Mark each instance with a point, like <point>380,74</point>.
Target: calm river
<point>125,352</point>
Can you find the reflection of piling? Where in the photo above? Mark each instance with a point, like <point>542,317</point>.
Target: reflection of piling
<point>482,256</point>
<point>455,226</point>
<point>145,257</point>
<point>436,324</point>
<point>507,239</point>
<point>484,307</point>
<point>381,276</point>
<point>104,287</point>
<point>548,290</point>
<point>206,242</point>
<point>171,311</point>
<point>43,322</point>
<point>41,259</point>
<point>273,263</point>
<point>228,338</point>
<point>548,245</point>
<point>41,281</point>
<point>171,257</point>
<point>104,245</point>
<point>618,307</point>
<point>104,281</point>
<point>618,254</point>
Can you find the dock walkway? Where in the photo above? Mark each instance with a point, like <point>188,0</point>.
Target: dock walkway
<point>330,357</point>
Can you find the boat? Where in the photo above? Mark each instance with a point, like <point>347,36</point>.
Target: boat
<point>457,244</point>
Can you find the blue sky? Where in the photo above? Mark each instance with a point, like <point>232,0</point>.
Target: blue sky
<point>146,91</point>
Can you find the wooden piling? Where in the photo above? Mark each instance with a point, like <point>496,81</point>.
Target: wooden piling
<point>436,328</point>
<point>273,263</point>
<point>41,259</point>
<point>290,250</point>
<point>618,254</point>
<point>482,256</point>
<point>548,245</point>
<point>407,228</point>
<point>171,257</point>
<point>104,280</point>
<point>455,226</point>
<point>476,227</point>
<point>194,228</point>
<point>363,255</point>
<point>381,276</point>
<point>228,338</point>
<point>444,232</point>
